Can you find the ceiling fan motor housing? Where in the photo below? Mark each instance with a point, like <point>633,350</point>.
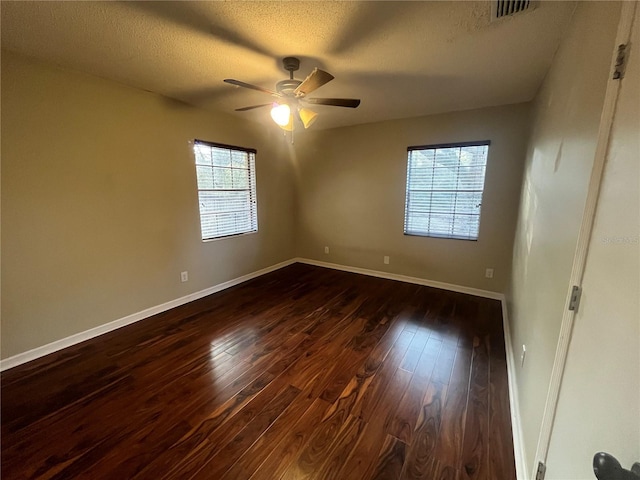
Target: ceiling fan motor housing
<point>286,87</point>
<point>291,64</point>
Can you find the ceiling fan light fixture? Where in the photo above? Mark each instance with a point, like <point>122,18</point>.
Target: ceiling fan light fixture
<point>286,112</point>
<point>281,114</point>
<point>307,116</point>
<point>289,126</point>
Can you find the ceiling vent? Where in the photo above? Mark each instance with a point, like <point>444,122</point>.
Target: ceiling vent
<point>505,8</point>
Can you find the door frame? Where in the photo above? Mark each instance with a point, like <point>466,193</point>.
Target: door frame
<point>625,24</point>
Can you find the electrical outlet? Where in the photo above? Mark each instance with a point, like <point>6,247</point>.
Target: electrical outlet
<point>522,355</point>
<point>488,273</point>
<point>326,249</point>
<point>386,259</point>
<point>184,276</point>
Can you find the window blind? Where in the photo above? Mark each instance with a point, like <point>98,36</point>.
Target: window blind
<point>445,184</point>
<point>226,189</point>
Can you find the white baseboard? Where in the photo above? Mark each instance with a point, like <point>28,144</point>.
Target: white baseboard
<point>76,338</point>
<point>403,278</point>
<point>522,470</point>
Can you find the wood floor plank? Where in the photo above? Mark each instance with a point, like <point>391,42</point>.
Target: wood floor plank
<point>414,352</point>
<point>444,363</point>
<point>390,461</point>
<point>475,449</point>
<point>268,442</point>
<point>381,379</point>
<point>359,465</point>
<point>448,450</point>
<point>374,433</point>
<point>428,359</point>
<point>305,372</point>
<point>420,462</point>
<point>215,429</point>
<point>320,443</point>
<point>348,438</point>
<point>407,411</point>
<point>222,459</point>
<point>287,450</point>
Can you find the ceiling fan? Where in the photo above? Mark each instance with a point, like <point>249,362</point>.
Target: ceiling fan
<point>291,96</point>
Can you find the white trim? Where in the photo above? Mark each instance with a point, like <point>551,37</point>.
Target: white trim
<point>623,35</point>
<point>79,337</point>
<point>514,401</point>
<point>403,278</point>
<point>76,338</point>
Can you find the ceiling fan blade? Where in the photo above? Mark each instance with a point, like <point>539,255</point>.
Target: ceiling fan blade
<point>244,109</point>
<point>316,79</point>
<point>336,102</point>
<point>238,83</point>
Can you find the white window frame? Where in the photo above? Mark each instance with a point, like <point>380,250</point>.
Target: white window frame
<point>426,216</point>
<point>226,209</point>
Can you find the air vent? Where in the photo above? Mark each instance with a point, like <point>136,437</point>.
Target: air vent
<point>505,8</point>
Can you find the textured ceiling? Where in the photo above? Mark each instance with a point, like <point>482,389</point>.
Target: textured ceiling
<point>403,59</point>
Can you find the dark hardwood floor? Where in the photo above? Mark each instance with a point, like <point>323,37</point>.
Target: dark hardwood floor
<point>304,373</point>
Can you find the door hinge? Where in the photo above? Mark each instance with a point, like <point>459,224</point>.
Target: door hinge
<point>542,468</point>
<point>574,302</point>
<point>621,60</point>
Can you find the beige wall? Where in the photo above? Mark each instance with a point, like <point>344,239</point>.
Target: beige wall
<point>352,194</point>
<point>558,167</point>
<point>99,204</point>
<point>599,404</point>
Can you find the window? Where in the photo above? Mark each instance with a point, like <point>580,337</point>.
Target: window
<point>444,190</point>
<point>226,189</point>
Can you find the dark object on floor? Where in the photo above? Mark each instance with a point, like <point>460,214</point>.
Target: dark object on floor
<point>607,467</point>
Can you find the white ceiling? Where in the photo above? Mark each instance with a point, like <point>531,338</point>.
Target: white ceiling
<point>403,59</point>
